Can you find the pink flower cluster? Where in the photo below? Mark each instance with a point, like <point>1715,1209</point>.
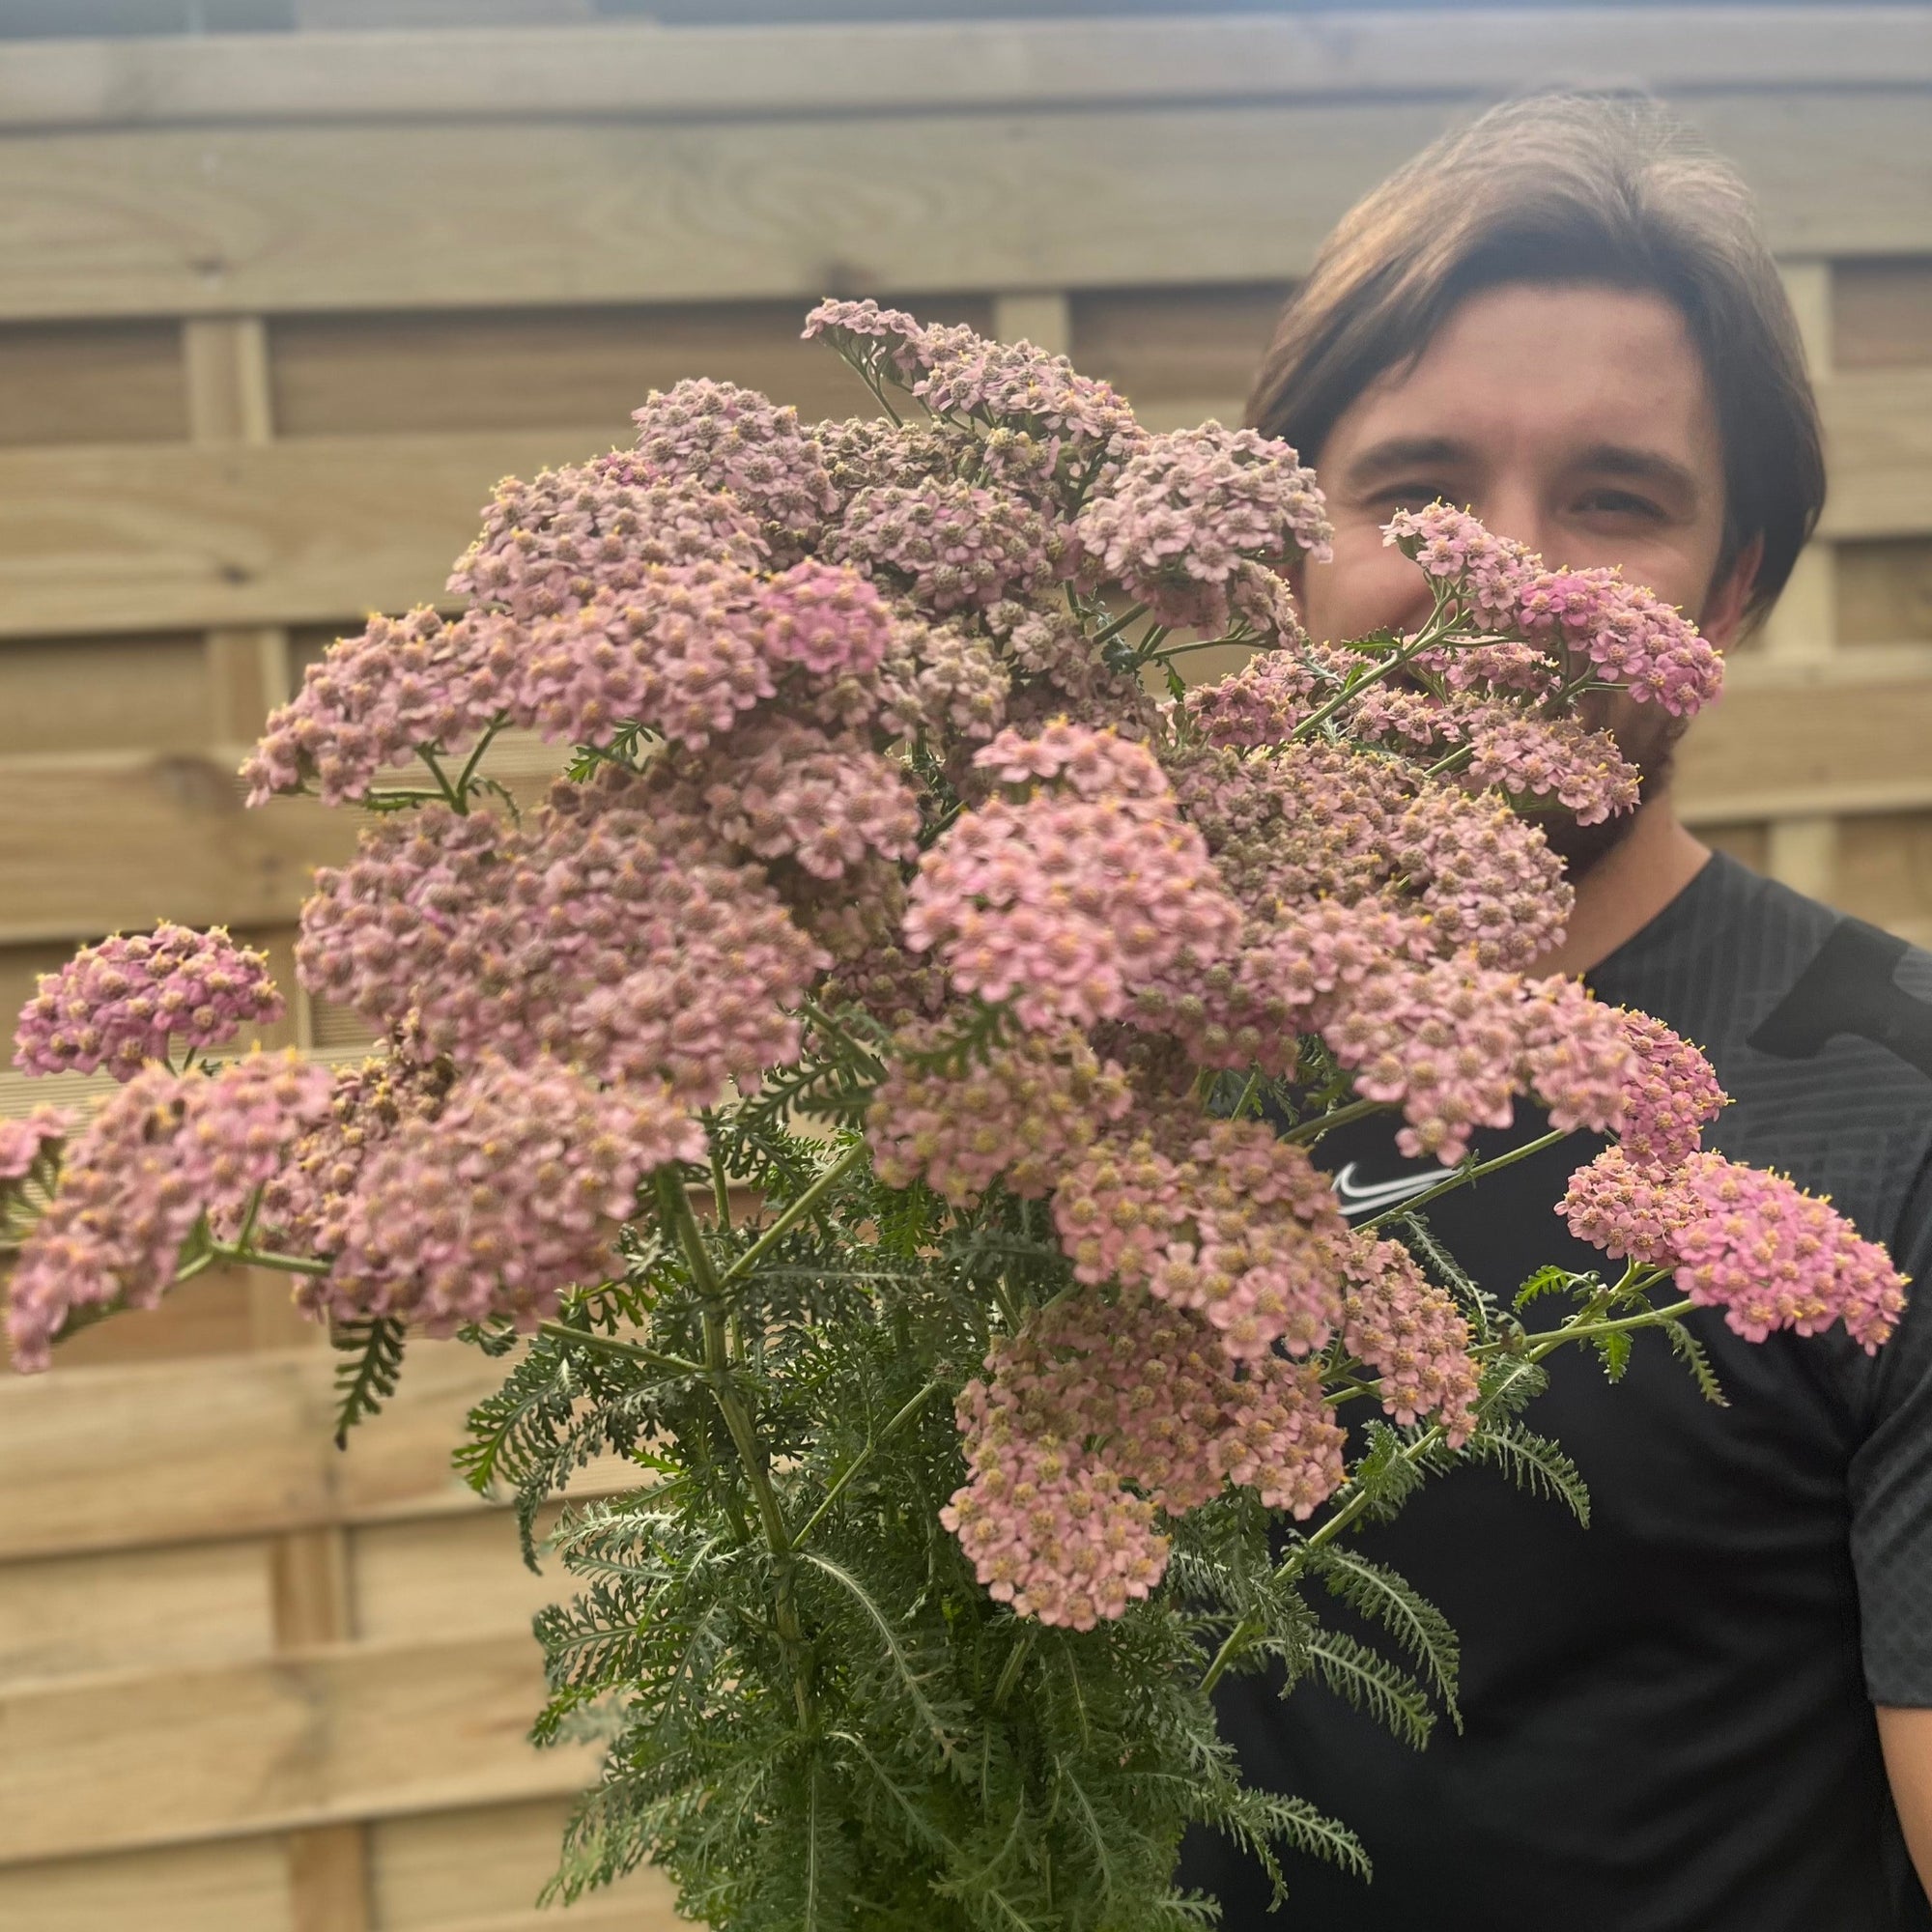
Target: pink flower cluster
<point>1735,1237</point>
<point>605,939</point>
<point>1453,1042</point>
<point>1091,1397</point>
<point>118,1004</point>
<point>1593,617</point>
<point>1321,821</point>
<point>948,545</point>
<point>1412,1335</point>
<point>24,1138</point>
<point>1071,423</point>
<point>1025,1113</point>
<point>399,683</point>
<point>1259,705</point>
<point>1089,887</point>
<point>510,1194</point>
<point>735,440</point>
<point>164,1149</point>
<point>1187,508</point>
<point>1670,1095</point>
<point>550,545</point>
<point>1237,1225</point>
<point>790,791</point>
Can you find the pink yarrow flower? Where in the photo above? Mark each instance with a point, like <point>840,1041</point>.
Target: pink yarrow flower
<point>1752,1244</point>
<point>119,1005</point>
<point>163,1152</point>
<point>24,1138</point>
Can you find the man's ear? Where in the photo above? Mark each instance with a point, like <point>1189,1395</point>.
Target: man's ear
<point>1723,613</point>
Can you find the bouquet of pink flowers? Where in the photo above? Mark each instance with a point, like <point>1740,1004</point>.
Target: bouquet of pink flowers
<point>881,1092</point>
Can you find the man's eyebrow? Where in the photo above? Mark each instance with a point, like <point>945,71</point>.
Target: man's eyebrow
<point>1406,452</point>
<point>1647,465</point>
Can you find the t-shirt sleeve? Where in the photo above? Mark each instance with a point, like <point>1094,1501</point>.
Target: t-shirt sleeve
<point>1890,1483</point>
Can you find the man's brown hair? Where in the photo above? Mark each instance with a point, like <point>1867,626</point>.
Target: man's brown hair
<point>1568,187</point>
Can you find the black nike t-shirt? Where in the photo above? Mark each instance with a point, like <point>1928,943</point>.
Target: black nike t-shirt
<point>1667,1717</point>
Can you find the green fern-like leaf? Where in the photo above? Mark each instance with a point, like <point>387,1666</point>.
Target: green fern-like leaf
<point>1692,1353</point>
<point>1416,1623</point>
<point>1370,1683</point>
<point>1533,1464</point>
<point>365,1378</point>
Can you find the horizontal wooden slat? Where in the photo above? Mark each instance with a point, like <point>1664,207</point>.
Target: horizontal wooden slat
<point>1810,743</point>
<point>1885,590</point>
<point>1878,450</point>
<point>113,381</point>
<point>1883,872</point>
<point>92,844</point>
<point>237,1885</point>
<point>1882,314</point>
<point>133,1456</point>
<point>271,219</point>
<point>463,1576</point>
<point>469,1871</point>
<point>468,371</point>
<point>103,693</point>
<point>340,1732</point>
<point>774,68</point>
<point>108,1457</point>
<point>204,1603</point>
<point>181,537</point>
<point>96,540</point>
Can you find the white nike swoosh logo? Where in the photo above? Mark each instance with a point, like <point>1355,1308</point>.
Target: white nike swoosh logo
<point>1379,1194</point>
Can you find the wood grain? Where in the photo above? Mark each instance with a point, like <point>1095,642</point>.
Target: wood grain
<point>93,842</point>
<point>441,1872</point>
<point>195,1603</point>
<point>272,220</point>
<point>90,381</point>
<point>238,1884</point>
<point>321,1737</point>
<point>639,69</point>
<point>128,1456</point>
<point>1885,590</point>
<point>1882,316</point>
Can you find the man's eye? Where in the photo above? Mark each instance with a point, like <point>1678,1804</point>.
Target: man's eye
<point>1415,495</point>
<point>1620,503</point>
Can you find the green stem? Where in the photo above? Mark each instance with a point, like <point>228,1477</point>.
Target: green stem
<point>456,801</point>
<point>476,757</point>
<point>1009,1677</point>
<point>791,1216</point>
<point>1296,1560</point>
<point>1461,1176</point>
<point>267,1257</point>
<point>1589,1331</point>
<point>1119,624</point>
<point>1452,763</point>
<point>1309,1131</point>
<point>1426,638</point>
<point>674,1210</point>
<point>610,1345</point>
<point>865,1456</point>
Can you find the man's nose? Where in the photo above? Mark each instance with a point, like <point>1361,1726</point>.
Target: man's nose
<point>1516,512</point>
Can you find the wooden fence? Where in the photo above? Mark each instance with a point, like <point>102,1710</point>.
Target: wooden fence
<point>274,313</point>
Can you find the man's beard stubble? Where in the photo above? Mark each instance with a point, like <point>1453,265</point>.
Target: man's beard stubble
<point>1648,738</point>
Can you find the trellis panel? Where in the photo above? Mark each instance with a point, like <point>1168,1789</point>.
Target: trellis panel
<point>616,68</point>
<point>250,220</point>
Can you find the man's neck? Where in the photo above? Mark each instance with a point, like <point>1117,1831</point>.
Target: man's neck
<point>1627,887</point>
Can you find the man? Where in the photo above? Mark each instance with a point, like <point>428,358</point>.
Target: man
<point>1685,1715</point>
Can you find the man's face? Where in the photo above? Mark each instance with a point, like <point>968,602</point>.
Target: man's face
<point>1572,417</point>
